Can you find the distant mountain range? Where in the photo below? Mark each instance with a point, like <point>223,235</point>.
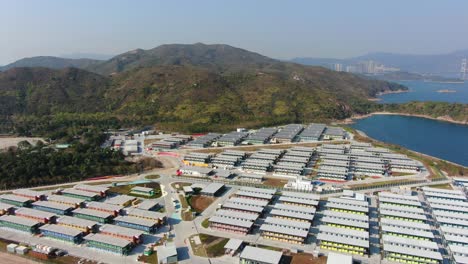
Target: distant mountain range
<point>51,62</point>
<point>183,87</point>
<point>439,64</point>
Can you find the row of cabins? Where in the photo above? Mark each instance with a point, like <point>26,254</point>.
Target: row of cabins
<point>312,132</point>
<point>231,139</point>
<point>204,141</point>
<point>119,238</point>
<point>239,213</point>
<point>261,136</point>
<point>288,133</point>
<point>406,230</point>
<point>294,161</point>
<point>344,226</point>
<point>172,142</point>
<point>262,160</point>
<point>291,218</point>
<point>449,208</point>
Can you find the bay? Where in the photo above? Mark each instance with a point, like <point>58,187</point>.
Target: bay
<point>428,91</point>
<point>440,139</point>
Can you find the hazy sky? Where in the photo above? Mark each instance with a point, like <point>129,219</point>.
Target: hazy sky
<point>276,28</point>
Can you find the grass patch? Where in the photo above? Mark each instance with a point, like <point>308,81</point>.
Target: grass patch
<point>151,259</point>
<point>205,223</point>
<point>186,215</point>
<point>442,186</point>
<point>125,189</point>
<point>180,185</point>
<point>383,184</point>
<point>214,246</point>
<point>152,177</point>
<point>399,174</point>
<point>198,249</point>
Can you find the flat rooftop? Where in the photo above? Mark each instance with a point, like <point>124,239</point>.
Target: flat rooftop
<point>300,195</point>
<point>136,220</point>
<point>114,229</point>
<point>231,221</point>
<point>403,214</point>
<point>237,215</point>
<point>258,190</point>
<point>120,199</point>
<point>344,232</point>
<point>243,207</point>
<point>148,204</point>
<point>28,192</point>
<point>15,198</point>
<point>407,231</point>
<point>34,213</point>
<point>343,240</point>
<point>399,201</point>
<point>91,188</point>
<point>255,195</point>
<point>145,214</point>
<point>233,244</point>
<point>298,200</point>
<point>91,212</point>
<point>288,223</point>
<point>141,189</point>
<point>53,205</point>
<point>253,202</point>
<point>83,223</point>
<point>19,220</point>
<point>79,192</point>
<point>284,230</point>
<point>212,188</point>
<point>103,206</point>
<point>412,251</point>
<point>61,230</point>
<point>289,214</point>
<point>354,202</point>
<point>261,255</point>
<point>405,224</point>
<point>64,199</point>
<point>429,245</point>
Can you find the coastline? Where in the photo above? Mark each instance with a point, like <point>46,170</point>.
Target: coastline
<point>391,92</point>
<point>440,118</point>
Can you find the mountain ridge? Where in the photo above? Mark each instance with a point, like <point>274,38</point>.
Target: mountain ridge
<point>187,88</point>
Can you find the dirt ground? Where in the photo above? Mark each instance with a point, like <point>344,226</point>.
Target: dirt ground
<point>275,182</point>
<point>7,258</point>
<point>6,142</point>
<point>304,258</point>
<point>200,203</point>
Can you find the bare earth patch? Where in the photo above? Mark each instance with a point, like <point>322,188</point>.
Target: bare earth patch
<point>200,203</point>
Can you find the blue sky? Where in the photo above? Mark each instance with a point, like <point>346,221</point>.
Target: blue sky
<point>279,29</point>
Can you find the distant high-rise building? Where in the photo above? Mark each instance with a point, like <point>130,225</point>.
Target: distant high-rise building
<point>338,67</point>
<point>370,67</point>
<point>463,70</point>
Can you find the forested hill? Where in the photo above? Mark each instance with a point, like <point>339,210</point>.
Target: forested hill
<point>183,87</point>
<point>51,62</point>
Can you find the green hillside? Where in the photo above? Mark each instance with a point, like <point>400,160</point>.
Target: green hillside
<point>181,87</point>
